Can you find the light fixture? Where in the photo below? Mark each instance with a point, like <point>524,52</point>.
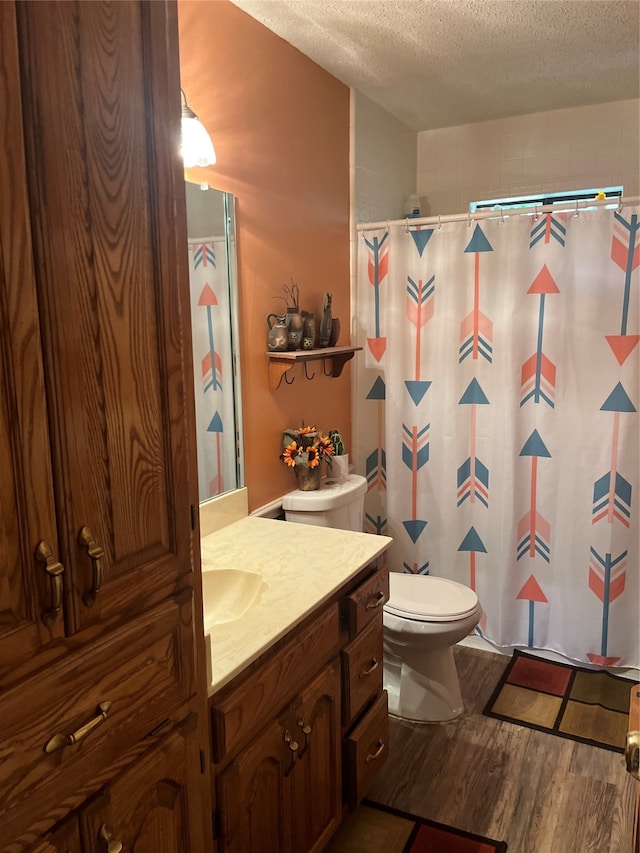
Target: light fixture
<point>197,147</point>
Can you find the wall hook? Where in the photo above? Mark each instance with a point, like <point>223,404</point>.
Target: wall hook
<point>306,373</point>
<point>330,373</point>
<point>288,381</point>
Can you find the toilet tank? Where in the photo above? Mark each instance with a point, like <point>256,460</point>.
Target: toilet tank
<point>338,505</point>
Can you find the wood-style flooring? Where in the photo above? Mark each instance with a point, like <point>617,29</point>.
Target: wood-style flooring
<point>538,792</point>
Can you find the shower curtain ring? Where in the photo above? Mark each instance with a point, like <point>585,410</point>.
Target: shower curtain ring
<point>577,213</point>
<point>406,225</point>
<point>469,220</point>
<point>501,215</point>
<point>619,203</point>
<point>439,223</point>
<point>536,217</point>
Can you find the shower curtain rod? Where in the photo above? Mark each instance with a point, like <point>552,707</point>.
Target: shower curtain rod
<point>569,207</point>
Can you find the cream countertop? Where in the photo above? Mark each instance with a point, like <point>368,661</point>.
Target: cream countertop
<point>302,566</point>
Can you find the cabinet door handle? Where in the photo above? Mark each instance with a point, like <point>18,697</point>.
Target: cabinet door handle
<point>105,834</point>
<point>54,569</point>
<point>373,665</point>
<point>374,756</point>
<point>376,602</point>
<point>291,743</point>
<point>96,554</point>
<point>306,731</point>
<point>59,741</point>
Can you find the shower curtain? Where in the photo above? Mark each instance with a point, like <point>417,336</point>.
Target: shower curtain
<point>497,423</point>
<point>212,366</point>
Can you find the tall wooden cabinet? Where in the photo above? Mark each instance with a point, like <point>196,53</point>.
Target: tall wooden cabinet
<point>102,688</point>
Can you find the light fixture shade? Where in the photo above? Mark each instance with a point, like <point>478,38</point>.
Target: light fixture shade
<point>197,147</point>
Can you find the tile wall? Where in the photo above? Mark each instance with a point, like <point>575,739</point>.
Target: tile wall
<point>582,147</point>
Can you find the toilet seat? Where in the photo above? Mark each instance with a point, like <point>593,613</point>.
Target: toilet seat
<point>423,598</point>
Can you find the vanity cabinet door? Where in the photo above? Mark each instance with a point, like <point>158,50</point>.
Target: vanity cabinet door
<point>30,612</point>
<point>100,89</point>
<point>315,782</point>
<point>253,794</point>
<point>63,839</point>
<point>149,809</point>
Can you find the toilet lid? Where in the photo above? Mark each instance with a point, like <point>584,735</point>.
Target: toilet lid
<point>428,599</point>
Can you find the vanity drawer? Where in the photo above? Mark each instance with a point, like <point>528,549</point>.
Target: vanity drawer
<point>366,750</point>
<point>361,670</point>
<point>58,730</point>
<point>365,603</point>
<point>242,710</point>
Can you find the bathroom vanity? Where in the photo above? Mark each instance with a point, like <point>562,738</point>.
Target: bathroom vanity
<point>298,714</point>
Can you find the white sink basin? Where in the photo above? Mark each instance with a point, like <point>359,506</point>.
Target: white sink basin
<point>227,594</point>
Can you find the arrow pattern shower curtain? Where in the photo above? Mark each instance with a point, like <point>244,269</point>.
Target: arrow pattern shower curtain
<point>212,366</point>
<point>497,419</point>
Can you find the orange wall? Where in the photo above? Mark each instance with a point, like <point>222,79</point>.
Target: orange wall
<point>280,125</point>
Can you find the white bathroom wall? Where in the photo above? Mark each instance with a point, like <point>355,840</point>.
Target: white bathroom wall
<point>385,162</point>
<point>577,148</point>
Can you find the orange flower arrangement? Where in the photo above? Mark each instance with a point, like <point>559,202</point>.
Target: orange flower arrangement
<point>306,447</point>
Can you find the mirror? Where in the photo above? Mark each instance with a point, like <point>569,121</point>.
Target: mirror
<point>213,283</point>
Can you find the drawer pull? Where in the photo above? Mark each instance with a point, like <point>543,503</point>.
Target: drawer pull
<point>374,756</point>
<point>373,665</point>
<point>376,602</point>
<point>60,741</point>
<point>113,846</point>
<point>54,569</point>
<point>96,554</point>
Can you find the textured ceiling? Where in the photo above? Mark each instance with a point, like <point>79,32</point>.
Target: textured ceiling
<point>437,63</point>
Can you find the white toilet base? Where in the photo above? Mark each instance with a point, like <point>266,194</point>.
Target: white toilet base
<point>426,690</point>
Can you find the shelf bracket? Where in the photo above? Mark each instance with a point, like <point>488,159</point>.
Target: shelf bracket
<point>277,370</point>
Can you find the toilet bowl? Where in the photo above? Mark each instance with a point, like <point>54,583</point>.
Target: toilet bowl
<point>423,619</point>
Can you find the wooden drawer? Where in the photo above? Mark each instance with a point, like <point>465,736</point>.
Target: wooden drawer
<point>365,603</point>
<point>366,750</point>
<point>140,674</point>
<point>239,712</point>
<point>361,670</point>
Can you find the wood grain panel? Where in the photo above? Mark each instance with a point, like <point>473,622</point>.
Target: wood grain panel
<point>365,603</point>
<point>26,495</point>
<point>362,670</point>
<point>146,808</point>
<point>142,671</point>
<point>242,709</point>
<point>102,125</point>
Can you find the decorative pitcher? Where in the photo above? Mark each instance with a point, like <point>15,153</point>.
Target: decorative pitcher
<point>278,337</point>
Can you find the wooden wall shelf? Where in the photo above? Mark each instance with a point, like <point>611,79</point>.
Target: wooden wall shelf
<point>281,362</point>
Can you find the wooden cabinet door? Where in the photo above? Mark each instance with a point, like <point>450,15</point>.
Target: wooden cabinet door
<point>151,807</point>
<point>64,839</point>
<point>101,104</point>
<point>252,794</point>
<point>29,616</point>
<point>315,782</point>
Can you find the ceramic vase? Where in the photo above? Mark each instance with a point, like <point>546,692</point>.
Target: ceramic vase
<point>335,332</point>
<point>308,330</point>
<point>308,478</point>
<point>325,322</point>
<point>339,468</point>
<point>295,327</point>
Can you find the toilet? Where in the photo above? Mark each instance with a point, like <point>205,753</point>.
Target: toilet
<point>423,619</point>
